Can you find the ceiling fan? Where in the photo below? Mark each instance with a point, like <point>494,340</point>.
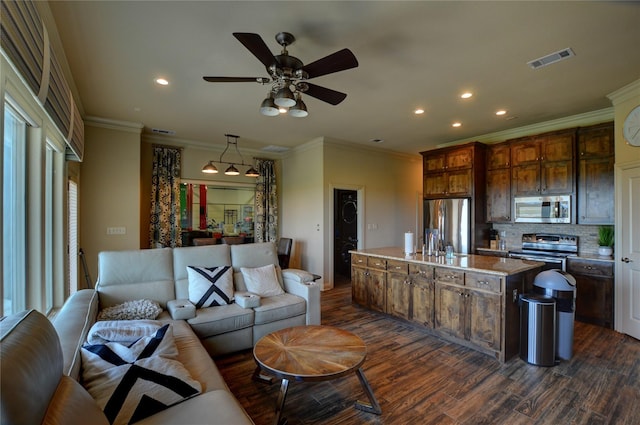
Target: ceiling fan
<point>288,75</point>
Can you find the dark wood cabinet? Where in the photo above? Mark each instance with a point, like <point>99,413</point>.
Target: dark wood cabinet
<point>398,289</point>
<point>595,187</point>
<point>369,282</point>
<point>499,183</point>
<point>594,290</point>
<point>543,164</point>
<point>422,294</point>
<point>449,172</point>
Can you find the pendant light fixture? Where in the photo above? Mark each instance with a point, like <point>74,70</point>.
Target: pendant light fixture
<point>210,168</point>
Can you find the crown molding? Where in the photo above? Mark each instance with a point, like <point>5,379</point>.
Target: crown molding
<point>127,126</point>
<point>580,120</point>
<point>628,92</point>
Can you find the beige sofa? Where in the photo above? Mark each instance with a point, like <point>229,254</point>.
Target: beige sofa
<point>159,275</point>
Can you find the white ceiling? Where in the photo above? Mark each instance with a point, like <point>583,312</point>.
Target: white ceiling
<point>411,54</point>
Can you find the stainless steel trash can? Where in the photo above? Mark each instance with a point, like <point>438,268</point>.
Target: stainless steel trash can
<point>538,329</point>
<point>561,286</point>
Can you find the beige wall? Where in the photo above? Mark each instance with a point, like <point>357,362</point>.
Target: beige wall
<point>110,191</point>
<point>624,100</point>
<point>390,184</point>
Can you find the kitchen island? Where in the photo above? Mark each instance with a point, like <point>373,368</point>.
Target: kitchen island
<point>468,299</point>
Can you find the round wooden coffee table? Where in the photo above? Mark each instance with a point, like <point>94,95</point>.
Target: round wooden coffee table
<point>312,353</point>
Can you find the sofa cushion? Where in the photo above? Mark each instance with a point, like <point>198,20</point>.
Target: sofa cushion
<point>73,405</point>
<point>203,256</point>
<point>218,320</point>
<point>135,274</point>
<point>253,255</point>
<point>279,307</point>
<point>136,381</point>
<point>210,286</point>
<point>262,281</point>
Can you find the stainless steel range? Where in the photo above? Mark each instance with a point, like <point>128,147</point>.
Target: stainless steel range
<point>552,249</point>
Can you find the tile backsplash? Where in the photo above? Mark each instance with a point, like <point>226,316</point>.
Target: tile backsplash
<point>587,242</point>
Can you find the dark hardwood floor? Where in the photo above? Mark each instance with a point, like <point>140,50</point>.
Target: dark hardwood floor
<point>422,379</point>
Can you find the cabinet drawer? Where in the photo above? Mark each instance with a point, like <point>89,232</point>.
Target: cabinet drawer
<point>358,260</point>
<point>594,268</point>
<point>421,270</point>
<point>397,266</point>
<point>483,281</point>
<point>449,276</point>
<point>376,263</point>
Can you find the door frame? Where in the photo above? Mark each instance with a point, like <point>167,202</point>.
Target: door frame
<point>359,189</point>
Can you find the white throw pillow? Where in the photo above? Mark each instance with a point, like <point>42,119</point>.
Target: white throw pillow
<point>262,281</point>
<point>121,331</point>
<point>210,286</point>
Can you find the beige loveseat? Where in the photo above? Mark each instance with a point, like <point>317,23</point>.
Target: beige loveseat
<point>159,275</point>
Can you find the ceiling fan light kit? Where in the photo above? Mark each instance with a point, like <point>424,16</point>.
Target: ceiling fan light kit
<point>288,75</point>
<point>210,168</point>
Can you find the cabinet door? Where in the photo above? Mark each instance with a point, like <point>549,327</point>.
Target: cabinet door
<point>557,178</point>
<point>525,152</point>
<point>433,162</point>
<point>594,300</point>
<point>376,289</point>
<point>459,158</point>
<point>450,309</point>
<point>485,319</point>
<point>398,295</point>
<point>596,141</point>
<point>499,195</point>
<point>422,301</point>
<point>595,190</point>
<point>498,156</point>
<point>459,183</point>
<point>525,180</point>
<point>359,286</point>
<point>557,147</point>
<point>435,184</point>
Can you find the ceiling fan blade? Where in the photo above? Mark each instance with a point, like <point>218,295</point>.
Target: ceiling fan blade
<point>256,45</point>
<point>233,79</point>
<point>338,61</point>
<point>326,95</point>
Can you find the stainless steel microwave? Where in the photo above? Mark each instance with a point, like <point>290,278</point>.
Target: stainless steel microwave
<point>543,209</point>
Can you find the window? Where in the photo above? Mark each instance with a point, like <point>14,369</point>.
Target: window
<point>73,235</point>
<point>13,212</point>
<point>48,226</point>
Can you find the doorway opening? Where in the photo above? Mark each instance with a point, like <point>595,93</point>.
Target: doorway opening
<point>345,233</point>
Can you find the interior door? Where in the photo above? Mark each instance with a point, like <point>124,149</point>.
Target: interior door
<point>627,250</point>
<point>345,227</point>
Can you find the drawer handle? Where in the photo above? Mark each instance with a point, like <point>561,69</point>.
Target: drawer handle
<point>483,282</point>
<point>398,267</point>
<point>378,264</point>
<point>451,276</point>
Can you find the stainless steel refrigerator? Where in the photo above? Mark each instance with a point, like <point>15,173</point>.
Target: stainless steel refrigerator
<point>452,219</point>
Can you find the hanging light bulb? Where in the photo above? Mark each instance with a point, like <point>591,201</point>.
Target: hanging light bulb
<point>232,171</point>
<point>252,172</point>
<point>209,168</point>
<point>269,108</point>
<point>299,110</point>
<point>284,97</point>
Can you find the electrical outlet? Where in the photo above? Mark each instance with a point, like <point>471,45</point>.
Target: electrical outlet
<point>116,230</point>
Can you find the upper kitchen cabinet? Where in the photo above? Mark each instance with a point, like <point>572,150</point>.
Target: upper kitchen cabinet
<point>499,183</point>
<point>595,174</point>
<point>543,164</point>
<point>453,172</point>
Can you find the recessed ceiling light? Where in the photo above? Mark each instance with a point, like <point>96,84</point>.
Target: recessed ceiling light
<point>456,124</point>
<point>376,140</point>
<point>501,112</point>
<point>162,81</point>
<point>466,95</point>
<point>419,111</point>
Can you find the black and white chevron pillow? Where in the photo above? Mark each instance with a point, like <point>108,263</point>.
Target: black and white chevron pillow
<point>210,286</point>
<point>131,382</point>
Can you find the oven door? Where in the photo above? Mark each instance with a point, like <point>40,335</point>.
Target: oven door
<point>550,263</point>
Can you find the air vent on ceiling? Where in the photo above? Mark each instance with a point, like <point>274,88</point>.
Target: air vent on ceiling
<point>551,58</point>
<point>273,148</point>
<point>165,132</point>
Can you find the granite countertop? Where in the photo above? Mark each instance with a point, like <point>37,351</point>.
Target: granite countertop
<point>466,262</point>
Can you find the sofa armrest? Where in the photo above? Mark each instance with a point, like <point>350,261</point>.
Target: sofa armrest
<point>302,284</point>
<point>181,309</point>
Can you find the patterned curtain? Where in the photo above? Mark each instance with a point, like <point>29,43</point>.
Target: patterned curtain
<point>266,223</point>
<point>165,229</point>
